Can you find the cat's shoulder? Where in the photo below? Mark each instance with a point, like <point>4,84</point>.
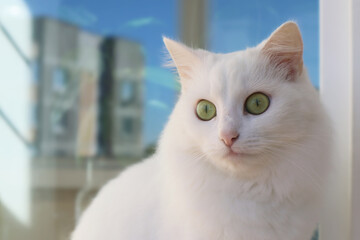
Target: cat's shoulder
<point>133,179</point>
<point>121,201</point>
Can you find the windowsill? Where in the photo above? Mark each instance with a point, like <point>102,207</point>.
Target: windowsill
<point>73,174</point>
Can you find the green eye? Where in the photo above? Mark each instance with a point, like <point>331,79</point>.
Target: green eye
<point>205,110</point>
<point>257,103</point>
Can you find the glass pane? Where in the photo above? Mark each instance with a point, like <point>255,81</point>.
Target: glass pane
<point>83,93</point>
<point>241,24</point>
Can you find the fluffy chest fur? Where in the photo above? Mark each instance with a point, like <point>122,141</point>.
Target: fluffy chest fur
<point>201,202</point>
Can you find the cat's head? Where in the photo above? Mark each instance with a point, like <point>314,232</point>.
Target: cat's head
<point>243,109</point>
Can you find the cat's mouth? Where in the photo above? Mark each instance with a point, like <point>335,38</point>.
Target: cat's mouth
<point>235,154</point>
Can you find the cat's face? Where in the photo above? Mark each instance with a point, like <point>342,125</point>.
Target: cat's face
<point>258,102</point>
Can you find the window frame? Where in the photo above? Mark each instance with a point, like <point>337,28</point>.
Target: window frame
<point>340,92</point>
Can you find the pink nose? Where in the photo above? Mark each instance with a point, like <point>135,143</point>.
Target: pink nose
<point>229,137</point>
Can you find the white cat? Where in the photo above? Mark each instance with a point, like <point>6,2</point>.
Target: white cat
<point>243,156</point>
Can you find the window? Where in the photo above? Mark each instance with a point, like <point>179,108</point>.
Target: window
<point>58,123</point>
<point>101,96</point>
<point>128,126</point>
<point>128,92</point>
<point>59,80</point>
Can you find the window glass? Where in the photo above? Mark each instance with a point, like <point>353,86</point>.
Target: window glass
<point>59,81</point>
<point>84,94</point>
<point>127,92</point>
<point>240,24</point>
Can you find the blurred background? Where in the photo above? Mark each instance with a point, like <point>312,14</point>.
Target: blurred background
<point>83,93</point>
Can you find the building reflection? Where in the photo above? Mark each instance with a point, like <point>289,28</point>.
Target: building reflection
<point>89,92</point>
<point>121,98</point>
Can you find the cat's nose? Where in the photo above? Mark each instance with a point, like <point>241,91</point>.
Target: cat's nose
<point>229,137</point>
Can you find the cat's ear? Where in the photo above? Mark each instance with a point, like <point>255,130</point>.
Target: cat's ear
<point>285,49</point>
<point>183,57</point>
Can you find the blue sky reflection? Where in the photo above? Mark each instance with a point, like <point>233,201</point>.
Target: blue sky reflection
<point>233,25</point>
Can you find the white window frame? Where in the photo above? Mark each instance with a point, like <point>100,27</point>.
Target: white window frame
<point>340,91</point>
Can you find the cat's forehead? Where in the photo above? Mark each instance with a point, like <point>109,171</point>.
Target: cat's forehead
<point>233,74</point>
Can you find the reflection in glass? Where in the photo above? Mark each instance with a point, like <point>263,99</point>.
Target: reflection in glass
<point>85,94</point>
<point>60,80</point>
<point>15,150</point>
<point>127,94</point>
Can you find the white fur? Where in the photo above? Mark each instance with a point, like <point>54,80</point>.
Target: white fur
<point>190,189</point>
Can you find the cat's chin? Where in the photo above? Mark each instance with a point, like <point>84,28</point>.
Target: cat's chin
<point>242,164</point>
